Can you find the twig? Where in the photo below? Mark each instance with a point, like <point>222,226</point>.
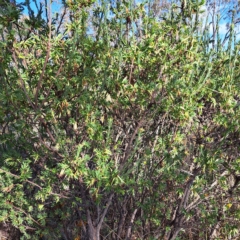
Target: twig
<point>129,230</point>
<point>32,183</point>
<point>105,211</point>
<point>21,80</point>
<point>47,56</point>
<point>21,210</point>
<point>129,146</point>
<point>61,20</point>
<point>49,90</point>
<point>131,70</point>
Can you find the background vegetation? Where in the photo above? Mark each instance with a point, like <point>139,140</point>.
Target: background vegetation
<point>119,120</point>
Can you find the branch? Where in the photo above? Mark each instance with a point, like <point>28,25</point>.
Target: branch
<point>21,210</point>
<point>61,20</point>
<point>178,215</point>
<point>49,90</point>
<point>129,146</point>
<point>32,183</point>
<point>21,80</point>
<point>129,230</point>
<point>47,56</point>
<point>105,211</point>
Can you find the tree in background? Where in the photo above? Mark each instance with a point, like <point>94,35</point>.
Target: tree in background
<point>116,124</point>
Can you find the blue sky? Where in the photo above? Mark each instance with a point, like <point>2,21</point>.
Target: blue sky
<point>56,8</point>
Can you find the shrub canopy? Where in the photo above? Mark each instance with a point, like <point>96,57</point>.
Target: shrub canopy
<point>115,124</point>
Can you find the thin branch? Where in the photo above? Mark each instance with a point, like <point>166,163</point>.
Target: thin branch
<point>131,70</point>
<point>49,90</point>
<point>61,20</point>
<point>49,148</point>
<point>129,230</point>
<point>21,80</point>
<point>105,211</point>
<point>28,215</point>
<point>48,131</point>
<point>129,146</point>
<point>47,56</point>
<point>32,183</point>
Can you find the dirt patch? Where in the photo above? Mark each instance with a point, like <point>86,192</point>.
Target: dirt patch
<point>8,232</point>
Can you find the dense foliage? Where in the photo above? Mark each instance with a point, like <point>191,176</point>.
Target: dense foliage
<point>116,124</point>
